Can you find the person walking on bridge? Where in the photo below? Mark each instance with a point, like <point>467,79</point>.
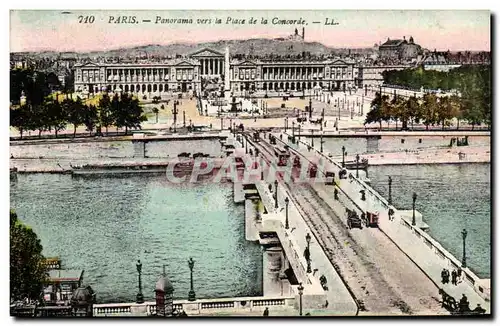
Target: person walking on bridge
<point>266,312</point>
<point>454,277</point>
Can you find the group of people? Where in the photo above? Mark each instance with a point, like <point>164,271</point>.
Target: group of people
<point>456,276</point>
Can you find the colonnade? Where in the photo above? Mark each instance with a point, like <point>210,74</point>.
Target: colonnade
<point>212,66</point>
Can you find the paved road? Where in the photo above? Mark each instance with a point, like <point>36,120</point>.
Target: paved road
<point>381,277</point>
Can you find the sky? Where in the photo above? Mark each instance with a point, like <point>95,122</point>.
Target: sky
<point>38,30</point>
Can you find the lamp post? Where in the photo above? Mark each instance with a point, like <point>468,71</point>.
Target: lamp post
<point>308,253</point>
<point>221,123</point>
<point>139,297</point>
<point>322,118</point>
<point>343,156</point>
<point>413,218</point>
<point>191,295</point>
<point>293,132</point>
<point>276,194</point>
<point>287,201</point>
<point>301,292</point>
<point>184,118</point>
<point>310,107</point>
<point>312,138</point>
<point>390,190</point>
<point>299,132</point>
<point>175,112</point>
<point>234,128</point>
<point>464,261</point>
<point>321,142</point>
<point>286,123</point>
<point>357,165</point>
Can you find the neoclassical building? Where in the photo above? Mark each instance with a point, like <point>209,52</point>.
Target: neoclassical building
<point>208,66</point>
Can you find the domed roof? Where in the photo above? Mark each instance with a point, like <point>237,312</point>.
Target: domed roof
<point>164,284</point>
<point>82,295</point>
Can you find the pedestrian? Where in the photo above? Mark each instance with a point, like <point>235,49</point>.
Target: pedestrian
<point>454,277</point>
<point>459,273</point>
<point>266,312</point>
<point>447,278</point>
<point>443,276</point>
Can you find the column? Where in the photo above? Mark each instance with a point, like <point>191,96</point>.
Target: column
<point>217,72</point>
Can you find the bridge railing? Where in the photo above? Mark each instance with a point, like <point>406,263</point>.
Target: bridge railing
<point>420,235</point>
<point>199,306</point>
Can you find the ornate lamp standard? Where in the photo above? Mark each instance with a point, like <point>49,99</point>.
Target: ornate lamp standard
<point>307,253</point>
<point>287,201</point>
<point>191,295</point>
<point>390,190</point>
<point>321,142</point>
<point>357,165</point>
<point>276,194</point>
<point>413,218</point>
<point>139,297</point>
<point>234,128</point>
<point>293,132</point>
<point>312,138</point>
<point>184,118</point>
<point>301,292</point>
<point>343,156</point>
<point>175,112</point>
<point>286,123</point>
<point>464,261</point>
<point>299,132</point>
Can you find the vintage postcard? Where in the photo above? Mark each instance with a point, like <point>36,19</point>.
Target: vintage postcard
<point>170,163</point>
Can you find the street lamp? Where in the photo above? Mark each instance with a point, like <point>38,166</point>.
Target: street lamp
<point>191,295</point>
<point>139,297</point>
<point>390,190</point>
<point>343,156</point>
<point>221,123</point>
<point>287,201</point>
<point>286,123</point>
<point>308,253</point>
<point>414,199</point>
<point>175,112</point>
<point>301,292</point>
<point>184,118</point>
<point>276,194</point>
<point>321,142</point>
<point>312,138</point>
<point>357,167</point>
<point>234,128</point>
<point>464,261</point>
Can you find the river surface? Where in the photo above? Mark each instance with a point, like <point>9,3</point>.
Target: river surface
<point>450,198</point>
<point>103,225</point>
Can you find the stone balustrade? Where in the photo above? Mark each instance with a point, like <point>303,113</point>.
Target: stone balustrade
<point>198,307</point>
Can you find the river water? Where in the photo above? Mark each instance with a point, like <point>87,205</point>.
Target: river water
<point>103,225</point>
<point>450,198</point>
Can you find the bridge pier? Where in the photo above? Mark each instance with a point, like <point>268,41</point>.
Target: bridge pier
<point>273,267</point>
<point>372,144</point>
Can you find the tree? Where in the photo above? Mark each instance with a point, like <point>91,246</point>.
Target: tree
<point>106,118</point>
<point>27,268</point>
<point>57,116</point>
<point>89,117</point>
<point>414,110</point>
<point>74,112</point>
<point>20,118</point>
<point>429,108</point>
<point>156,111</point>
<point>378,111</point>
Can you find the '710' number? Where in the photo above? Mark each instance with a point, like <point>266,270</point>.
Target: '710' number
<point>86,19</point>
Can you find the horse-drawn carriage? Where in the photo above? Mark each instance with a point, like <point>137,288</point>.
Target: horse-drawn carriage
<point>371,219</point>
<point>353,220</point>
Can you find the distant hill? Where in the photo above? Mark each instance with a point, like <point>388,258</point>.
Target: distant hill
<point>258,47</point>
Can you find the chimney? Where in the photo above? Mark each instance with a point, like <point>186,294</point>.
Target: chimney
<point>303,33</point>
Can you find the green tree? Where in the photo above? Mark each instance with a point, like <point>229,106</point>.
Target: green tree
<point>413,109</point>
<point>89,117</point>
<point>429,108</point>
<point>444,111</point>
<point>27,268</point>
<point>378,109</point>
<point>20,118</point>
<point>57,116</point>
<point>74,112</point>
<point>106,117</point>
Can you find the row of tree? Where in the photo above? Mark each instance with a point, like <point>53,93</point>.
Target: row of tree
<point>120,111</point>
<point>428,110</point>
<point>473,83</point>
